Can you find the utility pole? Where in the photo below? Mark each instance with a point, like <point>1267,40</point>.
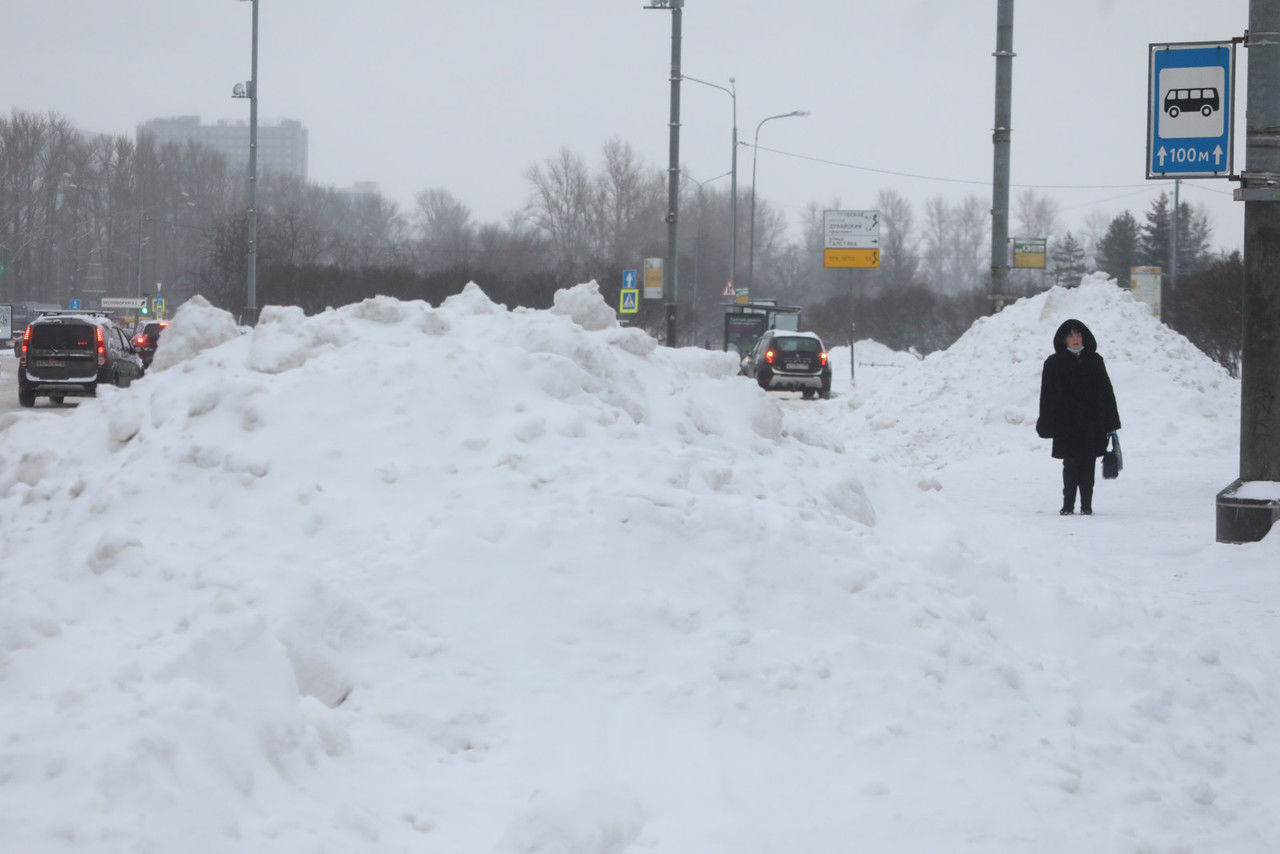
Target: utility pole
<point>1260,375</point>
<point>1173,254</point>
<point>253,174</point>
<point>670,280</point>
<point>1000,138</point>
<point>1249,518</point>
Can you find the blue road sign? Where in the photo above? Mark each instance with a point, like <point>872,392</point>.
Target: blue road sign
<point>74,305</point>
<point>629,301</point>
<point>158,305</point>
<point>1190,92</point>
<point>628,278</point>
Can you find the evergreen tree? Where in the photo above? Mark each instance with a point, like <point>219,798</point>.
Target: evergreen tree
<point>1154,245</point>
<point>1068,262</point>
<point>1194,232</point>
<point>1118,250</point>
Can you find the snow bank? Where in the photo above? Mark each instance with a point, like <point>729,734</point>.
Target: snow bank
<point>981,395</point>
<point>398,577</point>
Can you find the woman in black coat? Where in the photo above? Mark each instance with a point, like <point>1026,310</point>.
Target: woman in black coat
<point>1077,410</point>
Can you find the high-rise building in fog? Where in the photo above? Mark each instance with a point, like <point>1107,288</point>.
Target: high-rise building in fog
<point>282,146</point>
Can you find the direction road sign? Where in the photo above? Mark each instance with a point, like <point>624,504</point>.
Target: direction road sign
<point>121,302</point>
<point>851,258</point>
<point>851,229</point>
<point>74,304</point>
<point>628,278</point>
<point>1190,92</point>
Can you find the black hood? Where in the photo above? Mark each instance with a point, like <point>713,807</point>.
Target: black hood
<point>1060,337</point>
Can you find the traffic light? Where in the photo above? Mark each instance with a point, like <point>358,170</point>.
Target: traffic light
<point>146,304</point>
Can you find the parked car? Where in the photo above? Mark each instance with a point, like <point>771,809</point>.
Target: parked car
<point>68,353</point>
<point>146,340</point>
<point>782,360</point>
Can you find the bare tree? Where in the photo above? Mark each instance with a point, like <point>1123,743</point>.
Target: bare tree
<point>1036,215</point>
<point>561,209</point>
<point>446,235</point>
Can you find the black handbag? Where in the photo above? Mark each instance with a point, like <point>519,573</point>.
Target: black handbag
<point>1112,459</point>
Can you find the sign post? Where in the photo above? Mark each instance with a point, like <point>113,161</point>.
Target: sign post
<point>1145,283</point>
<point>629,296</point>
<point>653,278</point>
<point>1191,90</point>
<point>851,239</point>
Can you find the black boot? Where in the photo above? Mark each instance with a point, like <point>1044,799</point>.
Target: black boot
<point>1066,511</point>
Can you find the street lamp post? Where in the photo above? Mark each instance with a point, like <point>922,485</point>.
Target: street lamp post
<point>251,92</point>
<point>755,151</point>
<point>697,248</point>
<point>670,274</point>
<point>732,90</point>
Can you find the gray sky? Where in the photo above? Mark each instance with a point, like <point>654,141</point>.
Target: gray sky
<point>468,95</point>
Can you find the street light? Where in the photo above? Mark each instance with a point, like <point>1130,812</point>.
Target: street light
<point>673,166</point>
<point>755,150</point>
<point>697,246</point>
<point>732,91</point>
<point>250,90</point>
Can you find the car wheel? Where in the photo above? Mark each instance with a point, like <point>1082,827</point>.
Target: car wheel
<point>825,394</point>
<point>26,397</point>
<point>123,381</point>
<point>1174,112</point>
<point>1206,111</point>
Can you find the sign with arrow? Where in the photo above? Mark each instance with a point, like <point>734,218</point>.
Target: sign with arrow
<point>851,238</point>
<point>1191,91</point>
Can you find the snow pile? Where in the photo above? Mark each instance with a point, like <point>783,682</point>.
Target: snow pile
<point>462,579</point>
<point>981,395</point>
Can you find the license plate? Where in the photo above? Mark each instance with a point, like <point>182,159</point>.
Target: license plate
<point>797,366</point>
<point>50,363</point>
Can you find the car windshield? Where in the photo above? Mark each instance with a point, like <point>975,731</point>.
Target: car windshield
<point>797,345</point>
<point>62,336</point>
<point>153,330</point>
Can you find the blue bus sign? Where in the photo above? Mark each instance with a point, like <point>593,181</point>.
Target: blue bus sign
<point>1190,92</point>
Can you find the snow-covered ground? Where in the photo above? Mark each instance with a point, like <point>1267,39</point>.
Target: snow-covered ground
<point>460,579</point>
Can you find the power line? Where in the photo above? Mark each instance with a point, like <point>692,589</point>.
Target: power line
<point>986,182</point>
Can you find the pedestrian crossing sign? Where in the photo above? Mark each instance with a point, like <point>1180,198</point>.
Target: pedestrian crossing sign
<point>728,289</point>
<point>629,301</point>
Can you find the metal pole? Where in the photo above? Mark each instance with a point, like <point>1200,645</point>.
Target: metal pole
<point>755,152</point>
<point>1260,351</point>
<point>1000,167</point>
<point>253,173</point>
<point>732,91</point>
<point>672,282</point>
<point>852,329</point>
<point>733,187</point>
<point>1173,259</point>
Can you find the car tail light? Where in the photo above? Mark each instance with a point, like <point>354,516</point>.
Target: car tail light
<point>823,357</point>
<point>768,356</point>
<point>102,346</point>
<point>26,343</point>
<point>140,341</point>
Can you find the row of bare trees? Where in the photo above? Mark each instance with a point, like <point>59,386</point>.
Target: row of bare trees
<point>88,216</point>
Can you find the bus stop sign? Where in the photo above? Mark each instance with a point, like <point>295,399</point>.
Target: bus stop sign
<point>1191,87</point>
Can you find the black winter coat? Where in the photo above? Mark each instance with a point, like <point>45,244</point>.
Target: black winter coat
<point>1077,403</point>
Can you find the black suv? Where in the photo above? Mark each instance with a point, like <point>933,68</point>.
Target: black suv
<point>147,338</point>
<point>790,361</point>
<point>67,353</point>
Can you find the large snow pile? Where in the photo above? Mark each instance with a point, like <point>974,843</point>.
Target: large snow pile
<point>464,579</point>
<point>981,395</point>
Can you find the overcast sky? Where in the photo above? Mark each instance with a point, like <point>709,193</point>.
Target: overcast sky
<point>468,95</point>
